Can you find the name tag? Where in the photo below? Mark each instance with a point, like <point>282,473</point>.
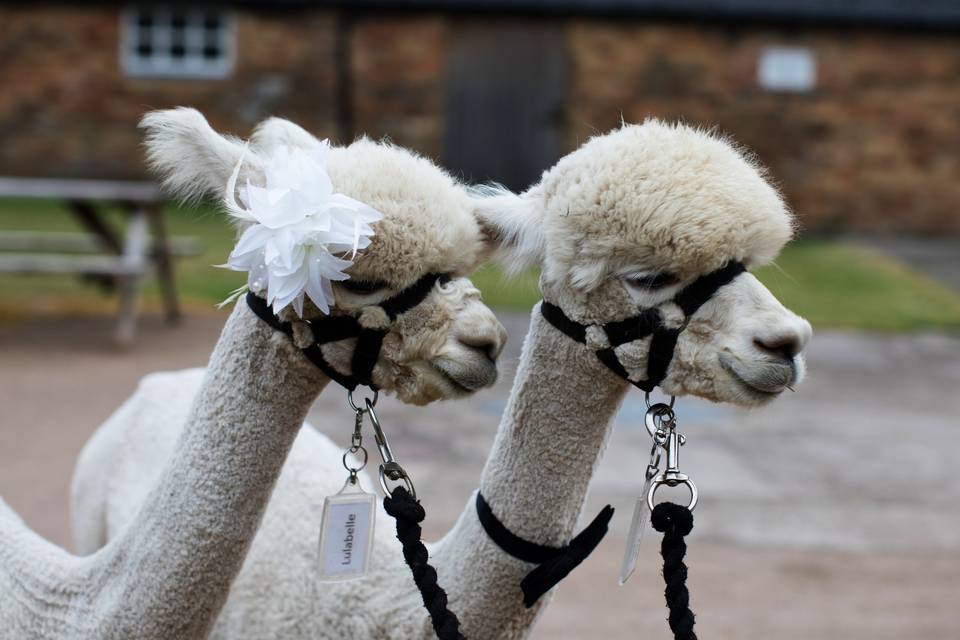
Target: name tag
<point>346,534</point>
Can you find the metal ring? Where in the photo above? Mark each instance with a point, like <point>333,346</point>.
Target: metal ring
<point>406,480</point>
<point>353,405</point>
<point>653,411</point>
<point>661,480</point>
<point>362,464</point>
<point>646,399</point>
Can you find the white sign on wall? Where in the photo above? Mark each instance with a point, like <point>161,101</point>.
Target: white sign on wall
<point>787,69</point>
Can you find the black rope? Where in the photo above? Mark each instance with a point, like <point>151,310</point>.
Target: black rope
<point>408,513</point>
<point>675,522</point>
<point>553,563</point>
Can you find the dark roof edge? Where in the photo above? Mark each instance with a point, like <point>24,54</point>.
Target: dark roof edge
<point>897,14</point>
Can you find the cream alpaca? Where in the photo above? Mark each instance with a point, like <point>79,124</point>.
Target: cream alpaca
<point>648,199</point>
<point>168,571</point>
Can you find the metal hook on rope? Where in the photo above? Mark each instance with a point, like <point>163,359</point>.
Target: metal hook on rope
<point>661,424</point>
<point>390,469</point>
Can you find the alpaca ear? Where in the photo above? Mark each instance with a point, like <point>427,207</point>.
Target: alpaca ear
<point>190,157</point>
<point>276,132</point>
<point>512,225</point>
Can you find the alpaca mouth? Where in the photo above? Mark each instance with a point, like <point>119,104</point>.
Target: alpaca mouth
<point>763,383</point>
<point>460,380</point>
<point>458,387</point>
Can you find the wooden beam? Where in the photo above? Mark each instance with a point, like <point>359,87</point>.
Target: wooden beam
<point>56,263</point>
<point>40,242</point>
<point>88,216</point>
<point>79,189</point>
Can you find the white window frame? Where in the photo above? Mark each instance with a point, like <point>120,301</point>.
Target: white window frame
<point>160,64</point>
<point>788,69</point>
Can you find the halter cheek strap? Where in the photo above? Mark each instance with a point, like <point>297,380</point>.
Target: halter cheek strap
<point>335,328</point>
<point>649,322</point>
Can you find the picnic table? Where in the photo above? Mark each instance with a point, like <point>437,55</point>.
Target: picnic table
<point>117,259</point>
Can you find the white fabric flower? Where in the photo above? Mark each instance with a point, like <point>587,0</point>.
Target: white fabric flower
<point>300,230</point>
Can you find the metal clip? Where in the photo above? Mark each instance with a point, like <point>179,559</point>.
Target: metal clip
<point>390,468</point>
<point>665,435</point>
<point>360,410</point>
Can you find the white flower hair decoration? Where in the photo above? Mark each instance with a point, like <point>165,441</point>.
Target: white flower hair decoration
<point>301,230</point>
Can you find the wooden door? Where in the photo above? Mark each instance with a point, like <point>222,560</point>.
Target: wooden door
<point>506,90</point>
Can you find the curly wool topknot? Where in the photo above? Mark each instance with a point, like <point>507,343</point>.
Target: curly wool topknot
<point>658,196</point>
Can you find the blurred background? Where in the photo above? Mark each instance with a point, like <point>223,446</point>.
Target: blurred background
<point>831,514</point>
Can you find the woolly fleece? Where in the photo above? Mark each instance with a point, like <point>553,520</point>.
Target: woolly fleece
<point>558,418</point>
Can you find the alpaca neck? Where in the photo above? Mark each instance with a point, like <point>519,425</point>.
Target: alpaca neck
<point>43,586</point>
<point>179,556</point>
<point>550,437</point>
<point>536,477</point>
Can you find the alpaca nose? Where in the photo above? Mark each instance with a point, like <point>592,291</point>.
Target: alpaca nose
<point>490,344</point>
<point>786,343</point>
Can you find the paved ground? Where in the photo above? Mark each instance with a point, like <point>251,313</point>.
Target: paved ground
<point>938,257</point>
<point>832,514</point>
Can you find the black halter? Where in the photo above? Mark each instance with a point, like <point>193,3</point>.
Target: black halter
<point>647,322</point>
<point>334,328</point>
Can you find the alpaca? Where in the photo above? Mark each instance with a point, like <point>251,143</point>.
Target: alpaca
<point>168,571</point>
<point>626,221</point>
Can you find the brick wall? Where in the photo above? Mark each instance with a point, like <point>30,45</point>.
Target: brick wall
<point>399,71</point>
<point>68,109</point>
<point>873,147</point>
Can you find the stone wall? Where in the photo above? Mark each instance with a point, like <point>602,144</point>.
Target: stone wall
<point>874,147</point>
<point>399,71</point>
<point>67,109</point>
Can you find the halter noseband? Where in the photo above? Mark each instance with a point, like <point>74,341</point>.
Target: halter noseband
<point>334,328</point>
<point>647,322</point>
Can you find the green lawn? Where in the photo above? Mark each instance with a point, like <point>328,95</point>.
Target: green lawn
<point>832,284</point>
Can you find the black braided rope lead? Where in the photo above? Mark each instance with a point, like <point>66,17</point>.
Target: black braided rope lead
<point>675,522</point>
<point>408,513</point>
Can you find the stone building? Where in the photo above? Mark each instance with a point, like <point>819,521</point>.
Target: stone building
<point>855,106</point>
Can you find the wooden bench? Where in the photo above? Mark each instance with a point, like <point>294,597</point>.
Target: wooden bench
<point>118,260</point>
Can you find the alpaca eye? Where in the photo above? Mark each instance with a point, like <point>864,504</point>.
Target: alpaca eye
<point>363,287</point>
<point>650,281</point>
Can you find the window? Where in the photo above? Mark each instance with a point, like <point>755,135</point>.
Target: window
<point>176,42</point>
<point>787,69</point>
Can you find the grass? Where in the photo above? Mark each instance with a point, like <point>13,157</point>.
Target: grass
<point>834,285</point>
<point>840,285</point>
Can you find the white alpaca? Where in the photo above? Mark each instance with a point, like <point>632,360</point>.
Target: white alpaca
<point>642,201</point>
<point>166,573</point>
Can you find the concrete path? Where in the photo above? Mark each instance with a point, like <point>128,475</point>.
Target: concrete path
<point>937,257</point>
<point>831,514</point>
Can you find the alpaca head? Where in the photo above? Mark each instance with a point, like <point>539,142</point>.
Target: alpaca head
<point>444,347</point>
<point>631,218</point>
